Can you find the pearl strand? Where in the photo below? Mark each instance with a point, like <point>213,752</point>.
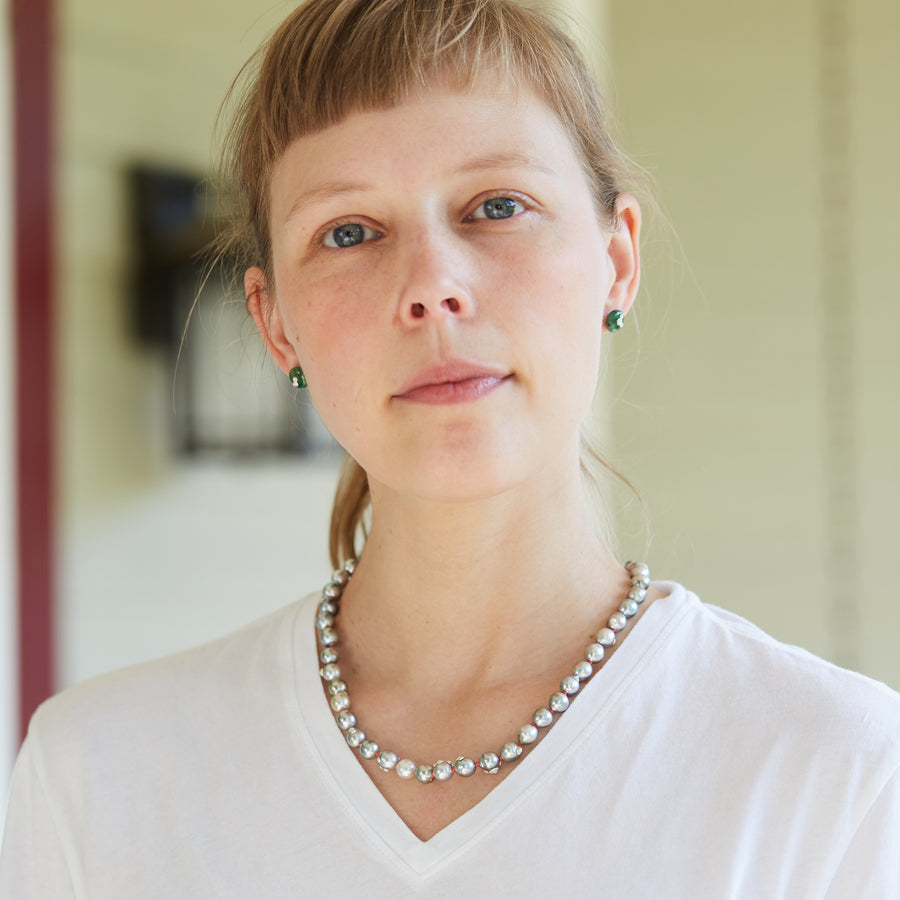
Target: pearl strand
<point>490,761</point>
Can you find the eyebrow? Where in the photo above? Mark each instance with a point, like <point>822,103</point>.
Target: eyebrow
<point>335,190</point>
<point>503,161</point>
<point>330,190</point>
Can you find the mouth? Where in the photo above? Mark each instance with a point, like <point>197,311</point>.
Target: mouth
<point>454,382</point>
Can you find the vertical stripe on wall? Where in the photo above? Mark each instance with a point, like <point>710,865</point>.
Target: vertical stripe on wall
<point>842,489</point>
<point>32,22</point>
<point>9,650</point>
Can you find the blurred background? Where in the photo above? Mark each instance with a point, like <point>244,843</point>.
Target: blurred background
<point>754,400</point>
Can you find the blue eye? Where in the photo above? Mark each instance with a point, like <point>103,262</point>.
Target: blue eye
<point>348,235</point>
<point>498,208</point>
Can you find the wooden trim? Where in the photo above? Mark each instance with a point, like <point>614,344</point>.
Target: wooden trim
<point>33,107</point>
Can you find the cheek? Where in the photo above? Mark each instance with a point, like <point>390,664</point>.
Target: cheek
<point>324,317</point>
<point>557,292</point>
<point>560,319</point>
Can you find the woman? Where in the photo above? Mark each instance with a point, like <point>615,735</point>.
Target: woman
<point>437,248</point>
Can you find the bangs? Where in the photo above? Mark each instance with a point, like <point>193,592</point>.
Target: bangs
<point>331,59</point>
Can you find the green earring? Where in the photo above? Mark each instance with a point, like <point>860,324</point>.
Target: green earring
<point>615,320</point>
<point>297,378</point>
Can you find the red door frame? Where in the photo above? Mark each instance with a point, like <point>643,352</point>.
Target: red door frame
<point>34,372</point>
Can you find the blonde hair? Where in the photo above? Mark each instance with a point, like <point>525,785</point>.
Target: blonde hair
<point>330,58</point>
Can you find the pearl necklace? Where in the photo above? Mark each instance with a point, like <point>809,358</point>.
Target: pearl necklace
<point>489,762</point>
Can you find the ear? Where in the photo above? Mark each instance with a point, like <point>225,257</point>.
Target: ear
<point>267,317</point>
<point>624,254</point>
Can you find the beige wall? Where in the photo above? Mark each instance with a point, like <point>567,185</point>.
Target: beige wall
<point>729,425</point>
<point>138,83</point>
<point>876,199</point>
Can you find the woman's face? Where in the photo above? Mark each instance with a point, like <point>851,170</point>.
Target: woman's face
<point>442,277</point>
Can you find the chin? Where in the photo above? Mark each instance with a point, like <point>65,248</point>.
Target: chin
<point>471,479</point>
<point>464,489</point>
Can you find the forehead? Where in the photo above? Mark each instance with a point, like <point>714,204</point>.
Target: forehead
<point>441,131</point>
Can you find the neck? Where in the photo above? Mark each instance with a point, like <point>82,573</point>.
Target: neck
<point>458,590</point>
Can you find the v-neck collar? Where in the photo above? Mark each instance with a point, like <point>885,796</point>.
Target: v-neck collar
<point>363,802</point>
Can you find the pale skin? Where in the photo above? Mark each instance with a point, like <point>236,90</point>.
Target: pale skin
<point>482,580</point>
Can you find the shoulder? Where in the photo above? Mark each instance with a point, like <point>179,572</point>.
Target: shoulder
<point>122,769</point>
<point>772,753</point>
<point>174,698</point>
<point>790,671</point>
<point>784,693</point>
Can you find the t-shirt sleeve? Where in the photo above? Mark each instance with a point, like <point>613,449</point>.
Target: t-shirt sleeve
<point>870,869</point>
<point>32,862</point>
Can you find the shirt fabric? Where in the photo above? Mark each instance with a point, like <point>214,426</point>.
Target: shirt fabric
<point>704,759</point>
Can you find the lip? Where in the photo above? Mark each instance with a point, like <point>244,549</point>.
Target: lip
<point>456,381</point>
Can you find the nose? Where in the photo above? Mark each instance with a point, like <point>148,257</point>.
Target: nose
<point>419,310</point>
<point>435,281</point>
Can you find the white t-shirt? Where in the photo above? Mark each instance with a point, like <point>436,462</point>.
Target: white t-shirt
<point>705,760</point>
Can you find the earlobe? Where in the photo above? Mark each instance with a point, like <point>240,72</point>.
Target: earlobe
<point>267,318</point>
<point>624,254</point>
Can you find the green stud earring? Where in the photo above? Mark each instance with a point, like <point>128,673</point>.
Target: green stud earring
<point>615,320</point>
<point>297,378</point>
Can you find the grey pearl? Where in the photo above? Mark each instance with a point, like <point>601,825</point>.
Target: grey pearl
<point>340,701</point>
<point>582,670</point>
<point>638,594</point>
<point>387,760</point>
<point>328,637</point>
<point>443,771</point>
<point>330,672</point>
<point>340,577</point>
<point>489,763</point>
<point>606,637</point>
<point>628,608</point>
<point>510,751</point>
